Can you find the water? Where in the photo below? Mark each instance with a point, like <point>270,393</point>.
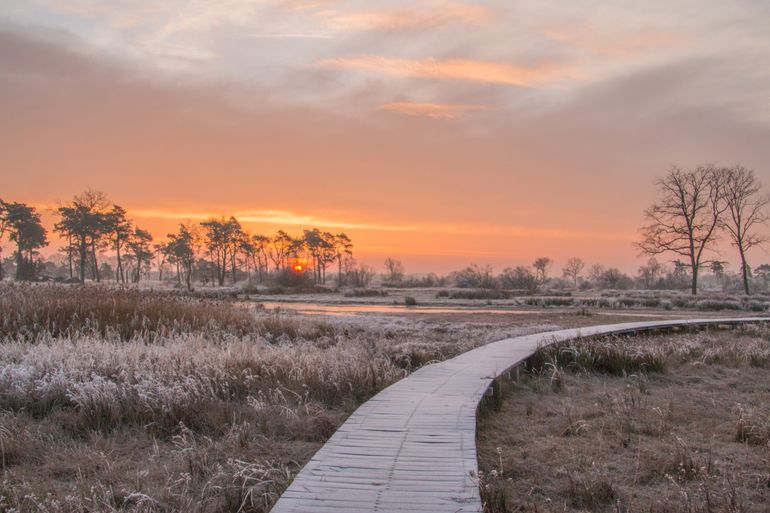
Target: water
<point>308,308</point>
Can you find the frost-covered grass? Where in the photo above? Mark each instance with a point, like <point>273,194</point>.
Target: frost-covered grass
<point>141,401</point>
<point>649,424</point>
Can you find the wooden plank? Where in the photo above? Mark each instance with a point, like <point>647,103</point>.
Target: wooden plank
<point>412,447</point>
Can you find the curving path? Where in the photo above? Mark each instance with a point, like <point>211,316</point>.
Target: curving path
<point>412,447</point>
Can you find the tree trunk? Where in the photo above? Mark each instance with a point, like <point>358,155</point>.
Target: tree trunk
<point>69,253</point>
<point>117,258</point>
<point>188,277</point>
<point>83,258</point>
<point>744,269</point>
<point>694,290</point>
<point>232,261</point>
<point>19,263</point>
<point>95,263</point>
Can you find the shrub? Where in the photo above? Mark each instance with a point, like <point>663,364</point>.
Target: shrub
<point>366,293</point>
<point>480,294</point>
<point>603,355</point>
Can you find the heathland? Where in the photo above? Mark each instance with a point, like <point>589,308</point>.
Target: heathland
<point>675,423</point>
<point>134,400</point>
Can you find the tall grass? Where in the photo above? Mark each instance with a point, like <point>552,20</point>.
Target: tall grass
<point>138,401</point>
<point>596,427</point>
<point>28,311</point>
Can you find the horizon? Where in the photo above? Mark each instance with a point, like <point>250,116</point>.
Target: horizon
<point>442,134</point>
<point>268,223</point>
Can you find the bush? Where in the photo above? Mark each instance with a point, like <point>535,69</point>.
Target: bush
<point>603,355</point>
<point>480,294</point>
<point>366,293</point>
<point>477,277</point>
<point>518,278</point>
<point>714,304</point>
<point>410,301</point>
<point>293,279</point>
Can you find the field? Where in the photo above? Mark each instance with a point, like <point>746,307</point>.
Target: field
<point>156,401</point>
<point>677,423</point>
<point>150,401</point>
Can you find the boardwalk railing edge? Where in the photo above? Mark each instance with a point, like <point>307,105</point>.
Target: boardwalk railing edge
<point>412,447</point>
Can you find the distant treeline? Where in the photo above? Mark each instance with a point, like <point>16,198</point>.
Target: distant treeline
<point>694,208</point>
<point>216,251</point>
<point>482,282</point>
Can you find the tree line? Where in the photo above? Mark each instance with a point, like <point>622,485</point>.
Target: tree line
<point>575,275</point>
<point>217,250</point>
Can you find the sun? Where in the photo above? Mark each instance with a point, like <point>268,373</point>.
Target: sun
<point>298,268</point>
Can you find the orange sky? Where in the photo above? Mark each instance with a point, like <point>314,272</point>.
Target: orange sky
<point>441,133</point>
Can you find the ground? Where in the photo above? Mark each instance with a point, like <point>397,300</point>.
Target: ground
<point>685,428</point>
<point>157,401</point>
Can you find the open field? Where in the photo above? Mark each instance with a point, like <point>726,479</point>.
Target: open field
<point>675,423</point>
<point>143,401</point>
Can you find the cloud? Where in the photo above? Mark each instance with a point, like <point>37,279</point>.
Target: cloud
<point>306,5</point>
<point>289,218</point>
<point>595,41</point>
<point>490,72</point>
<point>412,18</point>
<point>273,217</point>
<point>433,110</point>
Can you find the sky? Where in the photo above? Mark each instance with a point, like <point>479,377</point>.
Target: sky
<point>441,133</point>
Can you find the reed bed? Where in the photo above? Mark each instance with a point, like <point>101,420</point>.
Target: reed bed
<point>137,401</point>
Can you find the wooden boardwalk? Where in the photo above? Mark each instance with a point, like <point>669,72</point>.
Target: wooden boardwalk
<point>412,447</point>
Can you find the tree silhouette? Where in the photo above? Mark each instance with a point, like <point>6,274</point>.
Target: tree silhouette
<point>746,211</point>
<point>686,217</point>
<point>22,223</point>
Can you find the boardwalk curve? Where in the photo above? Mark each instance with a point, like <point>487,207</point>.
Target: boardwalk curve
<point>412,447</point>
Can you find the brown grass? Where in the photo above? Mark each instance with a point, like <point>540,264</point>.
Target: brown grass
<point>688,435</point>
<point>139,401</point>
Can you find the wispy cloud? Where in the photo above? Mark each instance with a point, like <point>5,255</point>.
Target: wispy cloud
<point>397,19</point>
<point>593,40</point>
<point>306,5</point>
<point>276,217</point>
<point>432,110</point>
<point>460,69</point>
<point>288,218</point>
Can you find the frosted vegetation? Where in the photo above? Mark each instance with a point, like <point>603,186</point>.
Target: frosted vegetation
<point>668,423</point>
<point>121,400</point>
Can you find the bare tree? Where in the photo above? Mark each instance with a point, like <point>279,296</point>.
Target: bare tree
<point>595,273</point>
<point>650,273</point>
<point>541,266</point>
<point>746,210</point>
<point>573,268</point>
<point>395,270</point>
<point>685,219</point>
